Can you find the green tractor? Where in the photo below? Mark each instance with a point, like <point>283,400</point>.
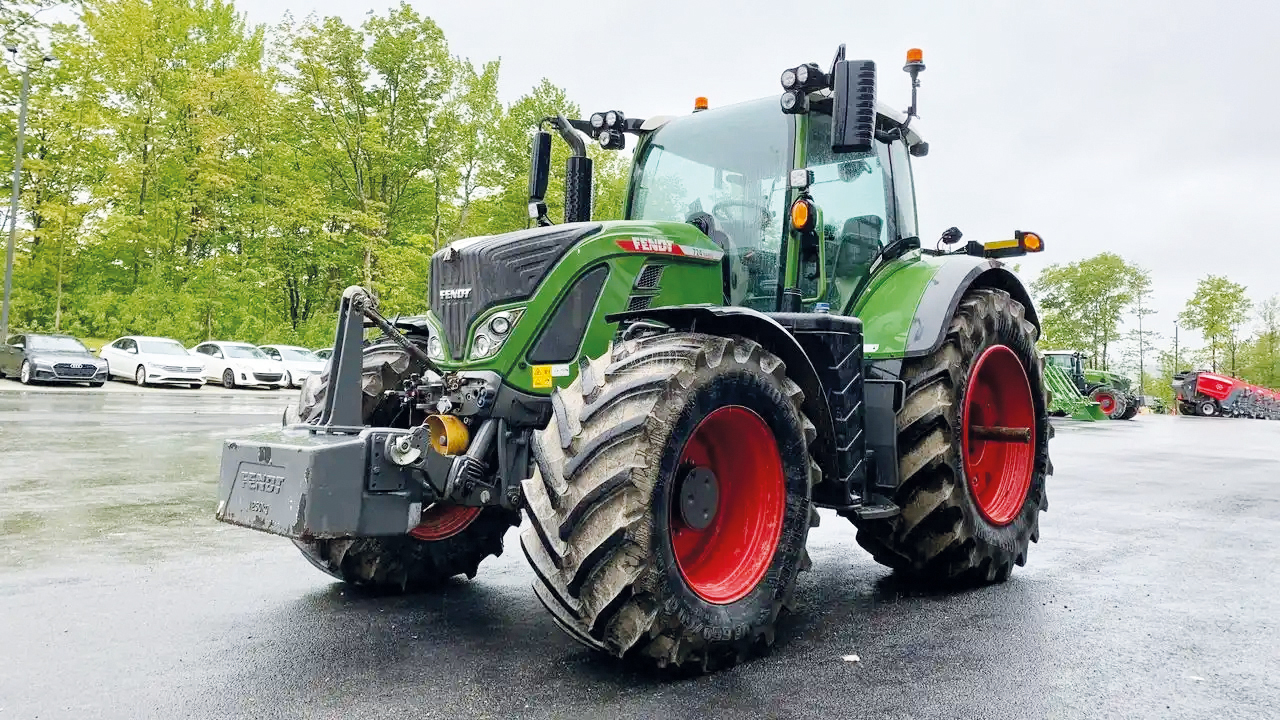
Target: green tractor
<point>670,398</point>
<point>1112,391</point>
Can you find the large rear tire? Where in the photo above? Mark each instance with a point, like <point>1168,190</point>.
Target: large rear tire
<point>670,503</point>
<point>970,508</point>
<point>451,540</point>
<point>1110,402</point>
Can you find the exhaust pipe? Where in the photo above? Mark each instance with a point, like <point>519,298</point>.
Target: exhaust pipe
<point>577,174</point>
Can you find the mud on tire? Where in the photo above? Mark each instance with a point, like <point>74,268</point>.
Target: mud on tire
<point>600,500</point>
<point>941,537</point>
<point>399,562</point>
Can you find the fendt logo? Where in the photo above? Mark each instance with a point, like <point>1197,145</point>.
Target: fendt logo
<point>652,245</point>
<point>455,294</point>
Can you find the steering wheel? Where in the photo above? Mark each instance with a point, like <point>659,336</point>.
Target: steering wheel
<point>765,213</point>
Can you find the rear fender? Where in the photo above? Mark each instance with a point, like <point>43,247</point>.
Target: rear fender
<point>932,287</point>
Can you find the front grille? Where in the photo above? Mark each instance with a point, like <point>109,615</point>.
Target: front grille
<point>77,370</point>
<point>267,377</point>
<point>486,271</point>
<point>179,369</point>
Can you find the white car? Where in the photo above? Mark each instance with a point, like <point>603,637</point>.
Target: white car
<point>152,361</point>
<point>299,362</point>
<point>236,364</point>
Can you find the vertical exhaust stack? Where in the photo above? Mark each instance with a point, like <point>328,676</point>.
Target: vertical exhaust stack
<point>577,174</point>
<point>577,189</point>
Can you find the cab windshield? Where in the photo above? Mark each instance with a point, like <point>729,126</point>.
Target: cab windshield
<point>730,163</point>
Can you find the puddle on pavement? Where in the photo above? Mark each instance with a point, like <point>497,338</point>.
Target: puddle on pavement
<point>87,477</point>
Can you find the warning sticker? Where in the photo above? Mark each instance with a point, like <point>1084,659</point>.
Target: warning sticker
<point>541,376</point>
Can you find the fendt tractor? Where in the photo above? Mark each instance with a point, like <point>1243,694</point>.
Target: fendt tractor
<point>1112,391</point>
<point>1209,394</point>
<point>669,398</point>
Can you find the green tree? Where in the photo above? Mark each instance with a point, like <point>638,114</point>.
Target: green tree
<point>1082,303</point>
<point>1217,309</point>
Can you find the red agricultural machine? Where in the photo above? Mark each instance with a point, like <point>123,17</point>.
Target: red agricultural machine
<point>1209,394</point>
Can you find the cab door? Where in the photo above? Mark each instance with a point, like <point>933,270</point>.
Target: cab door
<point>867,202</point>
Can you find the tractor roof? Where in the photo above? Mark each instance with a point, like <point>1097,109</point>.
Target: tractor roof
<point>885,111</point>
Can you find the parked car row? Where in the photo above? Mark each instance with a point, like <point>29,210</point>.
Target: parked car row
<point>44,358</point>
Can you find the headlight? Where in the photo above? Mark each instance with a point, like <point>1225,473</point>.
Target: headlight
<point>435,349</point>
<point>500,323</point>
<point>597,121</point>
<point>492,333</point>
<point>42,363</point>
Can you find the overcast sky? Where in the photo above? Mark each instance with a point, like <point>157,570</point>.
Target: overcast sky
<point>1144,128</point>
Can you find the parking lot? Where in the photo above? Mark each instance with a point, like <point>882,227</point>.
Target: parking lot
<point>1152,593</point>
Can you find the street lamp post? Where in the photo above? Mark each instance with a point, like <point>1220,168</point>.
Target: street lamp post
<point>1175,347</point>
<point>17,188</point>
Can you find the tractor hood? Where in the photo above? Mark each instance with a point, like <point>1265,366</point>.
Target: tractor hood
<point>472,275</point>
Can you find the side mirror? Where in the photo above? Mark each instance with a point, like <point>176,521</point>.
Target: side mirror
<point>853,114</point>
<point>539,169</point>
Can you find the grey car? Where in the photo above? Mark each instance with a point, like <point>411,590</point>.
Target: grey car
<point>34,358</point>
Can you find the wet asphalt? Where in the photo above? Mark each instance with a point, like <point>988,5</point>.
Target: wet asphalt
<point>1152,594</point>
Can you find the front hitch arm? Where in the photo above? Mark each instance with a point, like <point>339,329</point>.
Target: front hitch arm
<point>342,404</point>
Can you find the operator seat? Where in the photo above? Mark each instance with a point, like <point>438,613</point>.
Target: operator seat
<point>856,249</point>
<point>733,276</point>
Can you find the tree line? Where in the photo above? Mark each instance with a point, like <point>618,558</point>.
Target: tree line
<point>1084,305</point>
<point>187,174</point>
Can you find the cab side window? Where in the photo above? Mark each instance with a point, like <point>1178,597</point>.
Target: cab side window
<point>853,192</point>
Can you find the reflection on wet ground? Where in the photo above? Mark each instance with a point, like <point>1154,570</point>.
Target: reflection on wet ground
<point>115,474</point>
<point>1152,594</point>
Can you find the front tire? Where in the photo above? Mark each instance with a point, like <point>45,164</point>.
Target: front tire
<point>1130,410</point>
<point>140,376</point>
<point>450,540</point>
<point>229,379</point>
<point>24,373</point>
<point>969,508</point>
<point>670,502</point>
<point>1208,408</point>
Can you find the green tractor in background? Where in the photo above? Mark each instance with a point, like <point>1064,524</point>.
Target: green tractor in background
<point>1112,392</point>
<point>670,398</point>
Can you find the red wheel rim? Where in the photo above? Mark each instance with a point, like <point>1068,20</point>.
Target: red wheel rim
<point>725,560</point>
<point>998,471</point>
<point>1106,402</point>
<point>442,521</point>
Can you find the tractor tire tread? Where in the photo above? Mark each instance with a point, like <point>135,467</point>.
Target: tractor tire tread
<point>590,531</point>
<point>935,539</point>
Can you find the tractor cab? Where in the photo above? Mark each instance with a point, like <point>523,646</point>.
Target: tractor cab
<point>1071,362</point>
<point>807,201</point>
